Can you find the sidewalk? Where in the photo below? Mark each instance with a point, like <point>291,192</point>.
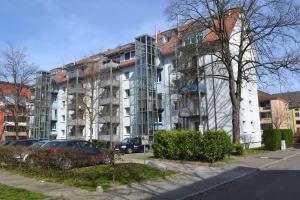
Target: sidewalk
<point>190,180</point>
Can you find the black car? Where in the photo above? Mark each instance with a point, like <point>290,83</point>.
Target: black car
<point>130,145</point>
<point>24,143</point>
<point>67,154</point>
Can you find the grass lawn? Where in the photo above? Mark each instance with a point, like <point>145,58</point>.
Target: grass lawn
<point>90,177</point>
<point>12,193</point>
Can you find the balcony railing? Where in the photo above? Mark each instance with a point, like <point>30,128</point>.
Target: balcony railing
<point>185,112</point>
<point>107,83</point>
<point>79,90</point>
<point>266,121</point>
<point>74,122</point>
<point>106,119</point>
<point>108,101</point>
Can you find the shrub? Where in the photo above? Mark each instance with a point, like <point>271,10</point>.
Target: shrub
<point>287,135</point>
<point>216,144</point>
<point>101,143</point>
<point>191,145</point>
<point>272,139</point>
<point>177,145</point>
<point>238,149</point>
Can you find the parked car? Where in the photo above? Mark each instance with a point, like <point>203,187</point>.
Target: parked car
<point>24,143</point>
<point>130,145</point>
<point>66,154</point>
<point>37,145</point>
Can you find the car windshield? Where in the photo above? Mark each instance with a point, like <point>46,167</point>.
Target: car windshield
<point>126,141</point>
<point>53,144</point>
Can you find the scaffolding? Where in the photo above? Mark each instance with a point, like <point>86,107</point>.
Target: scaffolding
<point>143,87</point>
<point>75,120</point>
<point>41,101</point>
<point>109,101</point>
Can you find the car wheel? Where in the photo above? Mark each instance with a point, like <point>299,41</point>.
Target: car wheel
<point>66,164</point>
<point>129,150</point>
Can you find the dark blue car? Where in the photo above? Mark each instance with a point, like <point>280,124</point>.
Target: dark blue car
<point>130,145</point>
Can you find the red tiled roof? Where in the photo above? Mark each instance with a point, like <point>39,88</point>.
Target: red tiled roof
<point>263,96</point>
<point>7,88</point>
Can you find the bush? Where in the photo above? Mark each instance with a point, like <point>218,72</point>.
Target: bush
<point>216,144</point>
<point>272,139</point>
<point>191,145</point>
<point>287,135</point>
<point>238,149</point>
<point>177,145</point>
<point>101,143</point>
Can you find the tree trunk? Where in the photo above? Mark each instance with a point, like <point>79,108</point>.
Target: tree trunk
<point>91,132</point>
<point>235,114</point>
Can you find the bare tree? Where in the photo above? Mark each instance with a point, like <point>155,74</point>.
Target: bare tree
<point>264,42</point>
<point>91,96</point>
<point>279,115</point>
<point>17,70</point>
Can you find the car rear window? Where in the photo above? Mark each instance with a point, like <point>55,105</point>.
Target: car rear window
<point>54,144</point>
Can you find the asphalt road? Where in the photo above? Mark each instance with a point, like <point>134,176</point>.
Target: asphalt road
<point>280,181</point>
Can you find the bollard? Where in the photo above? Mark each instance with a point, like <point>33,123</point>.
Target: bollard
<point>283,146</point>
<point>99,189</point>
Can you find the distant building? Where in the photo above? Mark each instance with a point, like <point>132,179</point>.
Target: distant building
<point>273,111</point>
<point>7,114</point>
<point>293,99</point>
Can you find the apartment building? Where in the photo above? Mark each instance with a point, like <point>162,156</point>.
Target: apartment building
<point>293,99</point>
<point>8,117</point>
<point>141,88</point>
<point>273,111</point>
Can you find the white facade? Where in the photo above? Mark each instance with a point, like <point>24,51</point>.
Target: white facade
<point>215,103</point>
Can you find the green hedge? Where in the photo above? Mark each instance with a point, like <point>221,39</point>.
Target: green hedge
<point>287,135</point>
<point>191,145</point>
<point>272,138</point>
<point>216,144</point>
<point>101,143</point>
<point>238,149</point>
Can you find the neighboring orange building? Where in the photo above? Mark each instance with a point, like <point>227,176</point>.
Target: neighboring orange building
<point>7,125</point>
<point>273,111</point>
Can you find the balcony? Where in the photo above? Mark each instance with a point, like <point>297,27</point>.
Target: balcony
<point>79,90</point>
<point>106,119</point>
<point>107,101</point>
<point>13,123</point>
<point>107,83</point>
<point>266,121</point>
<point>13,134</point>
<point>185,112</point>
<point>74,122</point>
<point>192,88</point>
<point>265,109</point>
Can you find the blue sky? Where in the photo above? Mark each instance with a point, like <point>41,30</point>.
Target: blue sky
<point>56,32</point>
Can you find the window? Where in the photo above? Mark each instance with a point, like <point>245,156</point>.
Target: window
<point>297,114</point>
<point>55,114</point>
<point>296,109</point>
<point>127,93</point>
<point>132,54</point>
<point>55,97</point>
<point>127,111</point>
<point>63,118</point>
<point>53,126</point>
<point>297,121</point>
<point>176,105</point>
<point>159,75</point>
<point>127,129</point>
<point>64,89</point>
<point>159,118</point>
<point>64,103</point>
<point>127,56</point>
<point>126,75</point>
<point>63,132</point>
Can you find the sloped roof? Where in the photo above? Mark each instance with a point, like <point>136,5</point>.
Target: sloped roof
<point>7,88</point>
<point>293,98</point>
<point>263,96</point>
